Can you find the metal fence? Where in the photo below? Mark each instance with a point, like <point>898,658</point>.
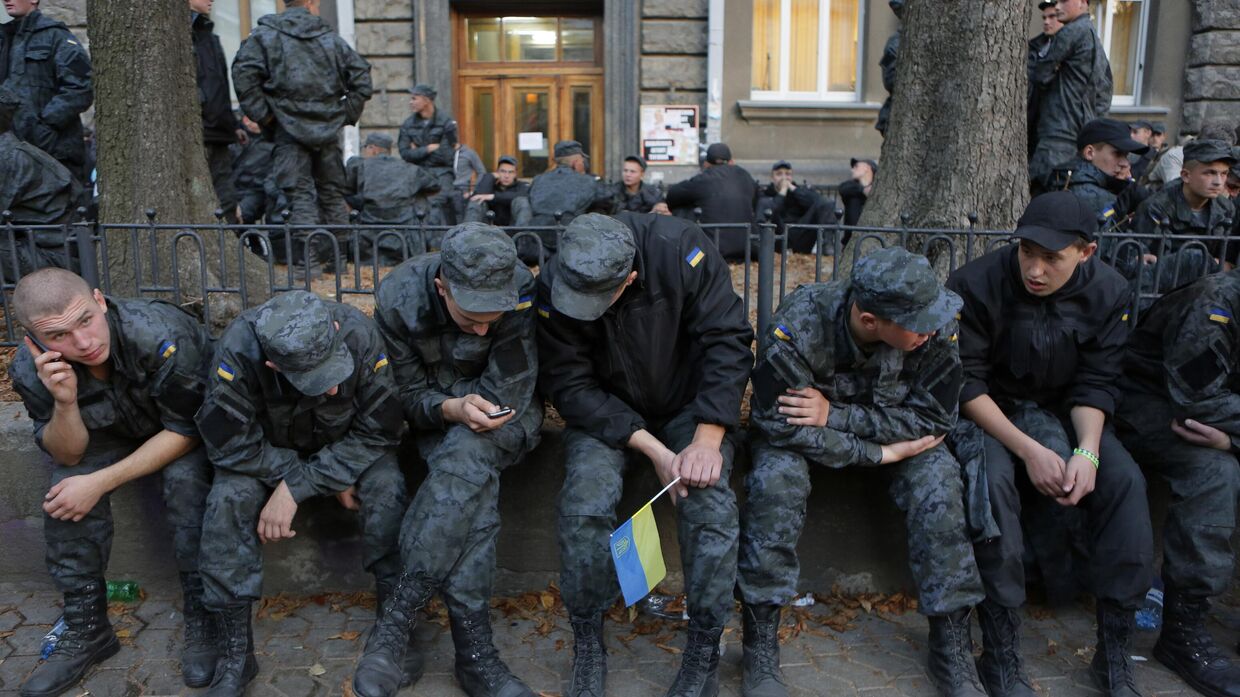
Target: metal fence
<point>167,260</point>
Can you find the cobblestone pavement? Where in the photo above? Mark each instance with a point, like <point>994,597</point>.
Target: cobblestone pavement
<point>307,646</point>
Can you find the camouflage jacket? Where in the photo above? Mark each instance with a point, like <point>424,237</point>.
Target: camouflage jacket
<point>1088,184</point>
<point>296,72</point>
<point>878,394</point>
<point>384,188</point>
<point>254,422</point>
<point>34,187</point>
<point>433,360</point>
<point>563,190</point>
<point>644,201</point>
<point>159,356</point>
<point>1073,79</point>
<point>416,133</point>
<point>1187,350</point>
<point>1167,211</point>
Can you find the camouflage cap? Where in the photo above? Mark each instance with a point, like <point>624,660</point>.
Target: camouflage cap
<point>564,148</point>
<point>1209,151</point>
<point>478,263</point>
<point>424,90</point>
<point>379,140</point>
<point>298,335</point>
<point>595,257</point>
<point>900,286</point>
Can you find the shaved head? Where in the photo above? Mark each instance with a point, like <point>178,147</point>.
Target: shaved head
<point>47,292</point>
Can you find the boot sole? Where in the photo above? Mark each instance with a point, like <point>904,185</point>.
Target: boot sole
<point>105,652</point>
<point>1164,657</point>
<point>202,682</point>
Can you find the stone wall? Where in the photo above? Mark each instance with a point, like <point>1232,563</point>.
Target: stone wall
<point>673,52</point>
<point>1212,78</point>
<point>384,35</point>
<point>71,12</point>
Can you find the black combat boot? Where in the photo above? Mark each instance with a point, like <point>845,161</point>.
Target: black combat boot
<point>951,665</point>
<point>478,668</point>
<point>1000,667</point>
<point>760,640</point>
<point>1112,664</point>
<point>1186,647</point>
<point>699,666</point>
<point>201,649</point>
<point>589,658</point>
<point>236,666</point>
<point>380,670</point>
<point>415,660</point>
<point>88,639</point>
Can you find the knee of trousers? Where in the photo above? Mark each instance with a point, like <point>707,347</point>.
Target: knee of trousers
<point>934,496</point>
<point>592,487</point>
<point>711,506</point>
<point>384,484</point>
<point>1211,484</point>
<point>779,481</point>
<point>187,483</point>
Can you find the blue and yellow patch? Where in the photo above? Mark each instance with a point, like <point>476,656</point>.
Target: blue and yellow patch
<point>544,311</point>
<point>166,349</point>
<point>525,302</point>
<point>381,362</point>
<point>781,332</point>
<point>695,257</point>
<point>225,372</point>
<point>955,338</point>
<point>1123,317</point>
<point>1218,314</point>
<point>1110,211</point>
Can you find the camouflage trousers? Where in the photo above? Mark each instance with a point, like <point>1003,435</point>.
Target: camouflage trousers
<point>232,558</point>
<point>312,180</point>
<point>219,163</point>
<point>706,525</point>
<point>928,488</point>
<point>448,534</point>
<point>1204,483</point>
<point>77,553</point>
<point>1116,517</point>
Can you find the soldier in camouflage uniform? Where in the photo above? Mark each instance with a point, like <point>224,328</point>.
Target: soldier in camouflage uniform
<point>460,331</point>
<point>887,64</point>
<point>302,83</point>
<point>644,349</point>
<point>1098,173</point>
<point>1181,418</point>
<point>865,374</point>
<point>566,191</point>
<point>1042,338</point>
<point>385,189</point>
<point>426,139</point>
<point>112,387</point>
<point>300,403</point>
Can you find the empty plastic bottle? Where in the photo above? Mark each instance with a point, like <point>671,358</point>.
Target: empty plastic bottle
<point>52,638</point>
<point>1150,614</point>
<point>123,591</point>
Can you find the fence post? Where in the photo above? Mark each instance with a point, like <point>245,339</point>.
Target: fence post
<point>86,250</point>
<point>766,275</point>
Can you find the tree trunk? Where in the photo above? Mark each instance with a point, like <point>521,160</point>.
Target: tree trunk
<point>956,140</point>
<point>150,157</point>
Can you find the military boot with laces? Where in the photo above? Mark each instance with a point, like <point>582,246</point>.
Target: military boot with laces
<point>201,649</point>
<point>1112,665</point>
<point>951,665</point>
<point>415,660</point>
<point>479,670</point>
<point>589,658</point>
<point>380,670</point>
<point>1186,647</point>
<point>236,666</point>
<point>699,665</point>
<point>760,641</point>
<point>88,639</point>
<point>1001,668</point>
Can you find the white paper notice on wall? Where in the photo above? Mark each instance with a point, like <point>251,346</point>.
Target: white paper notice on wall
<point>530,141</point>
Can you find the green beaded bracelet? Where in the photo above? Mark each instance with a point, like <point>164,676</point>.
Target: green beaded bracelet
<point>1087,455</point>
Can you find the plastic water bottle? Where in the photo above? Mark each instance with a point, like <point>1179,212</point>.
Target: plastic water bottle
<point>52,638</point>
<point>1149,616</point>
<point>123,591</point>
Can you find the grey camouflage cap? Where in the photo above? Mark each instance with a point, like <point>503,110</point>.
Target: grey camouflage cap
<point>900,286</point>
<point>564,148</point>
<point>595,257</point>
<point>479,262</point>
<point>1208,151</point>
<point>381,140</point>
<point>298,335</point>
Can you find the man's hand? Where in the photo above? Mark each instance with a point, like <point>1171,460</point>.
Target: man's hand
<point>902,450</point>
<point>56,375</point>
<point>1078,480</point>
<point>432,147</point>
<point>1200,434</point>
<point>699,465</point>
<point>275,523</point>
<point>805,406</point>
<point>472,411</point>
<point>73,497</point>
<point>348,498</point>
<point>242,136</point>
<point>481,198</point>
<point>667,467</point>
<point>1046,470</point>
<point>1149,258</point>
<point>661,208</point>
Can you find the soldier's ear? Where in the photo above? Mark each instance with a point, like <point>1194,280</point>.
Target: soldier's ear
<point>98,296</point>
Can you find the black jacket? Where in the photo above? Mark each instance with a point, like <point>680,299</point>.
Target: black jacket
<point>501,205</point>
<point>853,198</point>
<point>726,194</point>
<point>218,123</point>
<point>676,339</point>
<point>1059,351</point>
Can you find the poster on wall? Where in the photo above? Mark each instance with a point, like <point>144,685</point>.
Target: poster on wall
<point>670,134</point>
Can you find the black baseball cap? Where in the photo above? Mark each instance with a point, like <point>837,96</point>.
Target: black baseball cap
<point>1208,150</point>
<point>1047,3</point>
<point>507,160</point>
<point>718,154</point>
<point>1056,220</point>
<point>782,164</point>
<point>853,163</point>
<point>1113,132</point>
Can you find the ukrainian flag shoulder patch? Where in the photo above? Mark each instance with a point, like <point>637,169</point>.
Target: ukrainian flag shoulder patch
<point>695,257</point>
<point>1218,314</point>
<point>544,311</point>
<point>381,362</point>
<point>225,372</point>
<point>525,302</point>
<point>781,332</point>
<point>166,349</point>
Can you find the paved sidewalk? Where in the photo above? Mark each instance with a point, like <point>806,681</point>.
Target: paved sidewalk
<point>307,646</point>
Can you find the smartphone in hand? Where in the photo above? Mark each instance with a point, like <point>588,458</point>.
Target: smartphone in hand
<point>499,413</point>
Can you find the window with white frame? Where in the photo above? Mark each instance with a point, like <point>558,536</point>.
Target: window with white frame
<point>1122,26</point>
<point>806,50</point>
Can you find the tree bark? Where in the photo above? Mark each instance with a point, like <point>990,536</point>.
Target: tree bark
<point>956,140</point>
<point>150,156</point>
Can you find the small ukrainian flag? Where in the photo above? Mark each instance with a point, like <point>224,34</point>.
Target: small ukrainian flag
<point>695,257</point>
<point>637,553</point>
<point>166,349</point>
<point>524,302</point>
<point>1220,315</point>
<point>225,372</point>
<point>381,362</point>
<point>782,333</point>
<point>544,311</point>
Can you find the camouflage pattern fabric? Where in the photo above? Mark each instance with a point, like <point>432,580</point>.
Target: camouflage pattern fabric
<point>387,190</point>
<point>416,133</point>
<point>312,180</point>
<point>1180,261</point>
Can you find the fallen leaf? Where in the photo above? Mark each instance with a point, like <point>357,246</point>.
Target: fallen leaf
<point>349,635</point>
<point>317,669</point>
<point>1051,647</point>
<point>123,633</point>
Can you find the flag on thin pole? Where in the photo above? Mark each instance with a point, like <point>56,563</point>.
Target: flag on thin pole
<point>639,557</point>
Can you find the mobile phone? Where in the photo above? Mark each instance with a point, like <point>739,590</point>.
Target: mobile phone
<point>38,343</point>
<point>498,413</point>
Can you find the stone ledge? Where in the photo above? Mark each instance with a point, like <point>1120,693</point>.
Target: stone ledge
<point>1212,82</point>
<point>1215,14</point>
<point>674,37</point>
<point>675,8</point>
<point>759,110</point>
<point>673,73</point>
